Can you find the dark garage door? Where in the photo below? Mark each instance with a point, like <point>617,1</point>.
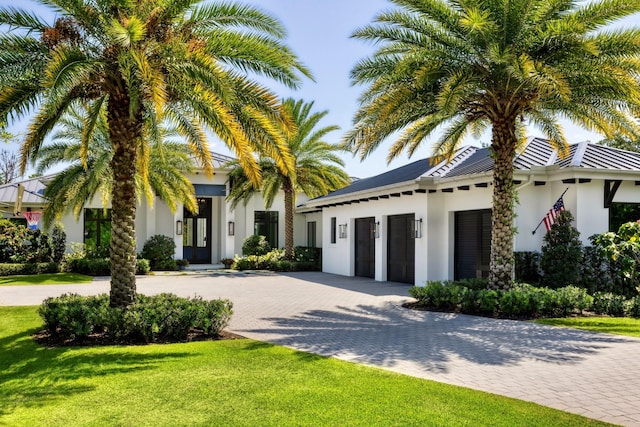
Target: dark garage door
<point>472,244</point>
<point>401,249</point>
<point>365,247</point>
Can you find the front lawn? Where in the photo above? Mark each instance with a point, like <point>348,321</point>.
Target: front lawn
<point>611,325</point>
<point>230,383</point>
<point>45,279</point>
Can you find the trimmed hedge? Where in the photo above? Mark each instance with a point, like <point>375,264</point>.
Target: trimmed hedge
<point>522,301</point>
<point>101,266</point>
<point>33,268</point>
<point>160,318</point>
<point>307,259</point>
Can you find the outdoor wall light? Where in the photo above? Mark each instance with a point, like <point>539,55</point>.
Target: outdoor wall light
<point>416,228</point>
<point>342,231</point>
<point>376,230</point>
<point>232,228</point>
<point>178,227</point>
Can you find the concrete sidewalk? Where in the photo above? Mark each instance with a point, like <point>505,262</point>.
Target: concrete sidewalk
<point>361,320</point>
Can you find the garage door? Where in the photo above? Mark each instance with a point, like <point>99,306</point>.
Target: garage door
<point>365,251</point>
<point>472,244</point>
<point>401,249</point>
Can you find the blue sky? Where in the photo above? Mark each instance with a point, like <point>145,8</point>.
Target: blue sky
<point>318,31</point>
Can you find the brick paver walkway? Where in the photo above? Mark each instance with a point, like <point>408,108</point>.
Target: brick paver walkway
<point>596,375</point>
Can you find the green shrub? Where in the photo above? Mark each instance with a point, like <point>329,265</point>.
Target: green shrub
<point>160,318</point>
<point>166,265</point>
<point>19,244</point>
<point>308,258</point>
<point>561,253</point>
<point>622,251</point>
<point>608,303</point>
<point>33,268</point>
<point>572,299</point>
<point>519,301</point>
<point>632,307</point>
<point>99,252</point>
<point>255,245</point>
<point>488,301</point>
<point>58,242</point>
<point>142,266</point>
<point>527,267</point>
<point>159,250</point>
<point>101,266</point>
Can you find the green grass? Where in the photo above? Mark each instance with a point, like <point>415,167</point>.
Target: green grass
<point>228,383</point>
<point>611,325</point>
<point>45,279</point>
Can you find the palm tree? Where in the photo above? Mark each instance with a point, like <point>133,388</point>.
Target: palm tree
<point>458,66</point>
<point>317,168</point>
<point>88,168</point>
<point>147,61</point>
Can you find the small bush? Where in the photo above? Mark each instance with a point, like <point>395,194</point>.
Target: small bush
<point>161,318</point>
<point>159,250</point>
<point>255,245</point>
<point>632,307</point>
<point>608,303</point>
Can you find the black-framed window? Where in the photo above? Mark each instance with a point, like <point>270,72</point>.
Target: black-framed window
<point>97,228</point>
<point>621,213</point>
<point>333,229</point>
<point>266,224</point>
<point>311,234</point>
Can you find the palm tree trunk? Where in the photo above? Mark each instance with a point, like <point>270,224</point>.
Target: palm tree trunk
<point>503,147</point>
<point>124,132</point>
<point>288,218</point>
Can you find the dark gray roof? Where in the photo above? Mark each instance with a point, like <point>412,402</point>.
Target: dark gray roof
<point>405,173</point>
<point>476,160</point>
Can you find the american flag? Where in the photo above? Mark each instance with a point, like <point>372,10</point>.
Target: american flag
<point>552,215</point>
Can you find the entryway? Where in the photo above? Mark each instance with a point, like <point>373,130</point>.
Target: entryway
<point>196,240</point>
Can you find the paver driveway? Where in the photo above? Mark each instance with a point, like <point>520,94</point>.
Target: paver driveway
<point>596,375</point>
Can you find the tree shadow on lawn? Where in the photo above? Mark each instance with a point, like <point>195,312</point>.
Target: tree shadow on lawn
<point>35,376</point>
<point>388,335</point>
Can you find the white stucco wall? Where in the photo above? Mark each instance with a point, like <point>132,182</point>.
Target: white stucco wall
<point>434,253</point>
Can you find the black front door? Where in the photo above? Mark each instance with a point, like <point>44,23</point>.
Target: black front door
<point>401,249</point>
<point>196,233</point>
<point>472,249</point>
<point>365,247</point>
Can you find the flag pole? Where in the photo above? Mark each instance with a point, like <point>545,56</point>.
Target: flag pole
<point>542,220</point>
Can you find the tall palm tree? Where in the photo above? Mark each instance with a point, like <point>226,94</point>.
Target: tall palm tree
<point>317,168</point>
<point>147,60</point>
<point>87,171</point>
<point>457,66</point>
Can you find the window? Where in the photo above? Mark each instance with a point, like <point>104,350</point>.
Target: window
<point>97,228</point>
<point>621,213</point>
<point>266,224</point>
<point>311,234</point>
<point>333,229</point>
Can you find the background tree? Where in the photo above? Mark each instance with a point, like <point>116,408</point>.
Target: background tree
<point>87,171</point>
<point>8,166</point>
<point>147,61</point>
<point>621,142</point>
<point>317,168</point>
<point>461,66</point>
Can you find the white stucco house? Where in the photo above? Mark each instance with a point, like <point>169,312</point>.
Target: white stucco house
<point>415,223</point>
<point>433,222</point>
<point>217,232</point>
